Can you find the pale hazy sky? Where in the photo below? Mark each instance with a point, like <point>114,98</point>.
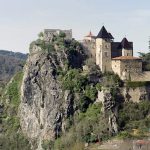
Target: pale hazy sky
<point>22,20</point>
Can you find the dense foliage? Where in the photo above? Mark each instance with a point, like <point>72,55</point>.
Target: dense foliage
<point>89,126</point>
<point>134,116</point>
<point>146,61</point>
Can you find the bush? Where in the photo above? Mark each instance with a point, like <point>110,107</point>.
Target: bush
<point>62,35</point>
<point>124,135</point>
<point>91,92</point>
<point>83,103</point>
<point>89,126</point>
<point>47,145</point>
<point>134,115</point>
<point>98,87</point>
<point>74,81</point>
<point>112,80</point>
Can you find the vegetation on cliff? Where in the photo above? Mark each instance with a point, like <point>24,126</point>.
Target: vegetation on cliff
<point>11,134</point>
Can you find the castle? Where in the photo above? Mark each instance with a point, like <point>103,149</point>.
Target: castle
<point>109,55</point>
<point>115,57</point>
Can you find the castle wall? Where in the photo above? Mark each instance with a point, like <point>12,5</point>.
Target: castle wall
<point>136,94</point>
<point>129,94</point>
<point>127,68</point>
<point>126,52</point>
<point>116,67</point>
<point>103,54</point>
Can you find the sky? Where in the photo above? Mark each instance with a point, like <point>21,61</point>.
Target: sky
<point>22,20</point>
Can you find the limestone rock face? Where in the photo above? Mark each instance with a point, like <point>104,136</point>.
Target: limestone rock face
<point>111,106</point>
<point>44,106</point>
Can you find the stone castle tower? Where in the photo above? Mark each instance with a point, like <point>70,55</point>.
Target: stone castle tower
<point>103,50</point>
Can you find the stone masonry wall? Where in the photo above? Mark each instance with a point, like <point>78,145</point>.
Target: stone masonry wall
<point>130,94</point>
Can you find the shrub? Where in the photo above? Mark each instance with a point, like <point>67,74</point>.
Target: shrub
<point>83,103</point>
<point>47,145</point>
<point>124,135</point>
<point>62,35</point>
<point>74,80</point>
<point>98,86</point>
<point>134,115</point>
<point>91,92</point>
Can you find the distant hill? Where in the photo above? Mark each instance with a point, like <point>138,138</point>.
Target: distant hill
<point>13,54</point>
<point>10,63</point>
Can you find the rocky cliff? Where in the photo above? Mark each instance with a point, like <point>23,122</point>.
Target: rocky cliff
<point>43,103</point>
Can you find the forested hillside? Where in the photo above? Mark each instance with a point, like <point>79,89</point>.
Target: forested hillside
<point>10,63</point>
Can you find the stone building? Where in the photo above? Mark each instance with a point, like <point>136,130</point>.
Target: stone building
<point>113,56</point>
<point>125,66</point>
<point>89,43</point>
<point>49,33</point>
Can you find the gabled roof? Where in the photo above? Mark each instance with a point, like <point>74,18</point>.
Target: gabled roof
<point>126,44</point>
<point>104,34</point>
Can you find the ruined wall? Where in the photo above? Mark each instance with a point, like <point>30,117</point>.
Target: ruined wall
<point>49,33</point>
<point>136,94</point>
<point>129,94</point>
<point>90,47</point>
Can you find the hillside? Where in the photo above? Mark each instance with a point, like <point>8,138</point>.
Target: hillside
<point>10,63</point>
<point>17,55</point>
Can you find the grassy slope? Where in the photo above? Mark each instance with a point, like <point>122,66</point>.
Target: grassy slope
<point>11,137</point>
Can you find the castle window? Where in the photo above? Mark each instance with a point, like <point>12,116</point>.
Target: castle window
<point>106,55</point>
<point>107,46</point>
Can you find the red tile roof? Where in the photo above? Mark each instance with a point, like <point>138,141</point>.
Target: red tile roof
<point>90,34</point>
<point>126,58</point>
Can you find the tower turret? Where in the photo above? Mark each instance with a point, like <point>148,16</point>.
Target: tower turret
<point>127,47</point>
<point>103,50</point>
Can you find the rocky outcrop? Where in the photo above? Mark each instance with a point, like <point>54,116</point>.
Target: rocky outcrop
<point>136,94</point>
<point>44,105</point>
<point>110,108</point>
<point>124,94</point>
